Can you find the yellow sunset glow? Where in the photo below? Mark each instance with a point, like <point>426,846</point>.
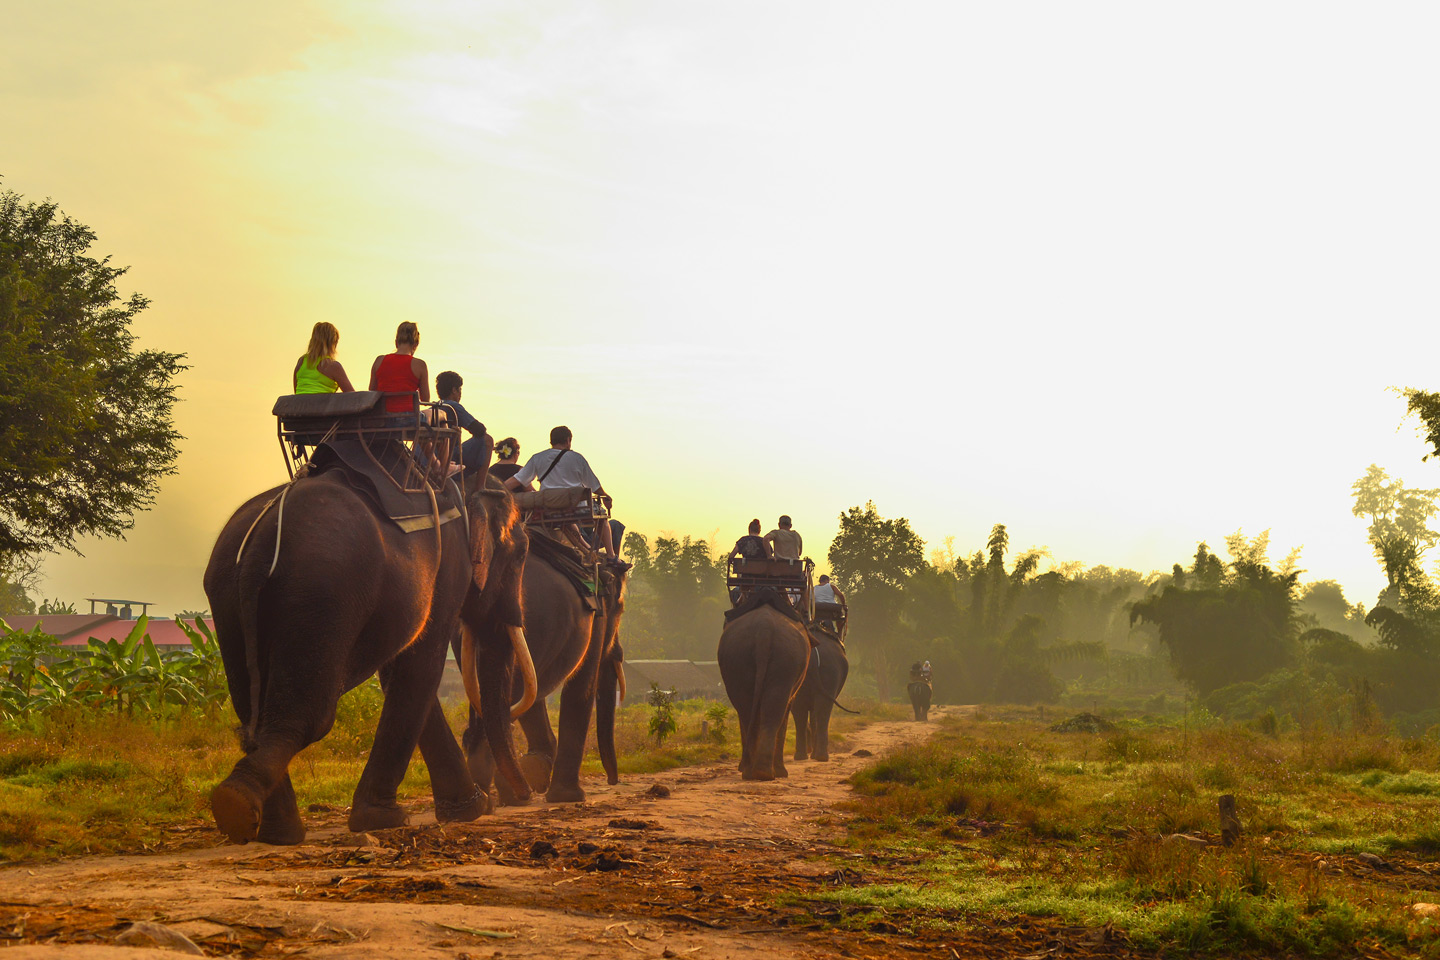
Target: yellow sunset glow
<point>1123,276</point>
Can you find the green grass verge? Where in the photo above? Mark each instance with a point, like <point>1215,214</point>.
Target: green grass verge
<point>997,816</point>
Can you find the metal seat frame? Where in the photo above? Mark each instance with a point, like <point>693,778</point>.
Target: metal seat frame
<point>414,431</point>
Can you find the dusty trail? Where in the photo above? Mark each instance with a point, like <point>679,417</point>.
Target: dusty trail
<point>625,874</point>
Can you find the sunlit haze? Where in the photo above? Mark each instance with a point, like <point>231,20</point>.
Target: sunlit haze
<point>1122,276</point>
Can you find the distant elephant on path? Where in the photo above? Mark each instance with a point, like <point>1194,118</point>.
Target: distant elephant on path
<point>763,654</point>
<point>824,679</point>
<point>574,650</point>
<point>351,594</point>
<point>919,691</point>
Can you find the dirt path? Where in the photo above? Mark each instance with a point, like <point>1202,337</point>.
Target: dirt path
<point>626,874</point>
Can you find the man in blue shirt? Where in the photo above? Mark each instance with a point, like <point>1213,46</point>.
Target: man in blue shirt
<point>475,452</point>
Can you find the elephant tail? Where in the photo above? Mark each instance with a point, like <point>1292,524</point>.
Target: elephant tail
<point>250,580</point>
<point>846,709</point>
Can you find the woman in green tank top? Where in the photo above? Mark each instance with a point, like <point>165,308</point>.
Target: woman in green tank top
<point>318,371</point>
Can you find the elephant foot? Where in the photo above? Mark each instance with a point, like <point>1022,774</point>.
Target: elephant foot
<point>780,771</point>
<point>564,793</point>
<point>236,814</point>
<point>507,795</point>
<point>756,775</point>
<point>612,779</point>
<point>462,811</point>
<point>282,834</point>
<point>821,758</point>
<point>367,817</point>
<point>536,767</point>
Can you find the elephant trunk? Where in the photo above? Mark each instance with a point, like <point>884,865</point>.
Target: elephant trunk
<point>612,675</point>
<point>527,670</point>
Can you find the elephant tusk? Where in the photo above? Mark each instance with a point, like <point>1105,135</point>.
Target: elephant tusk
<point>527,669</point>
<point>620,675</point>
<point>468,673</point>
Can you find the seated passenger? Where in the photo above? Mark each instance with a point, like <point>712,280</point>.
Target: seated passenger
<point>401,371</point>
<point>827,592</point>
<point>317,371</point>
<point>786,542</point>
<point>751,546</point>
<point>561,466</point>
<point>507,459</point>
<point>475,452</point>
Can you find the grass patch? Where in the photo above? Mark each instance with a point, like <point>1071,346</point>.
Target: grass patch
<point>997,816</point>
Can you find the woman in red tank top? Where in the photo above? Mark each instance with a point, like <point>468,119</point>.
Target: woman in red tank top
<point>402,371</point>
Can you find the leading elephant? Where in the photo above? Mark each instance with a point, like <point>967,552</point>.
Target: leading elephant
<point>342,593</point>
<point>920,691</point>
<point>764,651</point>
<point>824,679</point>
<point>575,646</point>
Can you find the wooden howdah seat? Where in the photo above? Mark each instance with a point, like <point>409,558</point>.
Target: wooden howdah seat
<point>791,576</point>
<point>559,510</point>
<point>414,440</point>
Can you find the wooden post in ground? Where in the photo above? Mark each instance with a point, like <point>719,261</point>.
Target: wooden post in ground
<point>1229,822</point>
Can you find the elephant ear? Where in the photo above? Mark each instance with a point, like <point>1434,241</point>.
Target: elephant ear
<point>498,546</point>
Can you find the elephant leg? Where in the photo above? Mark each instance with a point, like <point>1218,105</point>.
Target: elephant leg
<point>539,759</point>
<point>577,703</point>
<point>767,735</point>
<point>290,720</point>
<point>280,816</point>
<point>800,713</point>
<point>820,718</point>
<point>409,681</point>
<point>742,700</point>
<point>457,798</point>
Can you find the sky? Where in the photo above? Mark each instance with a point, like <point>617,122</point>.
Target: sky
<point>1122,276</point>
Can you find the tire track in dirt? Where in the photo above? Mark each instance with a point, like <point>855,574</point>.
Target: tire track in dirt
<point>626,874</point>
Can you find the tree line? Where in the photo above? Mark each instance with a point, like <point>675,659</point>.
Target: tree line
<point>1241,633</point>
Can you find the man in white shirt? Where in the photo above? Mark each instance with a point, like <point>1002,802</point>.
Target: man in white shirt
<point>825,591</point>
<point>562,467</point>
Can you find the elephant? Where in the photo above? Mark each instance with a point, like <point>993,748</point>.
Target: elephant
<point>919,691</point>
<point>824,679</point>
<point>346,595</point>
<point>764,651</point>
<point>577,652</point>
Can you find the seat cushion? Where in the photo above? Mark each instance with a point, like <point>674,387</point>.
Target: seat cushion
<point>297,406</point>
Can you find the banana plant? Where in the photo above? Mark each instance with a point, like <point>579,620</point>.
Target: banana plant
<point>25,654</point>
<point>203,665</point>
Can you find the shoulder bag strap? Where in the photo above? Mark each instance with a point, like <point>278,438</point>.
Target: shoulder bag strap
<point>552,466</point>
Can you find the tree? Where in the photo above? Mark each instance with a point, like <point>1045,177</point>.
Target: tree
<point>1399,516</point>
<point>85,418</point>
<point>1237,629</point>
<point>675,606</point>
<point>874,559</point>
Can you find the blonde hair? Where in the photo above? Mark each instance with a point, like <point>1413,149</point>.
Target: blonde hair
<point>407,332</point>
<point>324,340</point>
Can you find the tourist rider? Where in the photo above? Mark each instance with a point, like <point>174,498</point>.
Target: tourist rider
<point>785,542</point>
<point>317,370</point>
<point>751,546</point>
<point>507,459</point>
<point>560,466</point>
<point>402,371</point>
<point>475,452</point>
<point>827,592</point>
